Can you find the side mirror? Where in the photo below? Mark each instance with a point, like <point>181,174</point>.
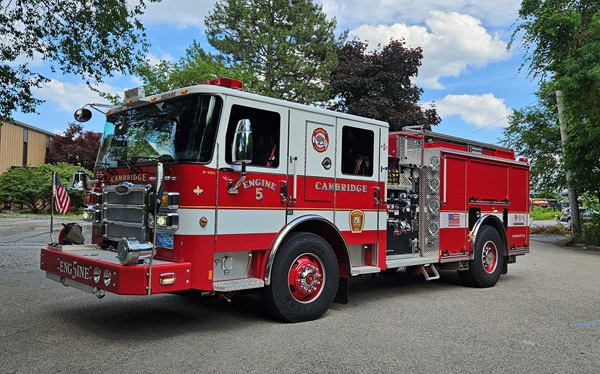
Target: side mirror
<point>82,115</point>
<point>241,149</point>
<point>241,152</point>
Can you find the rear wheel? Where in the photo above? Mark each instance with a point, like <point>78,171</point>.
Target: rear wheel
<point>304,278</point>
<point>486,267</point>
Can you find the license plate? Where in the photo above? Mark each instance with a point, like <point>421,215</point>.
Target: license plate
<point>164,240</point>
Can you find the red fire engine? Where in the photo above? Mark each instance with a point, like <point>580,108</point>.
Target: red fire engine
<point>213,189</point>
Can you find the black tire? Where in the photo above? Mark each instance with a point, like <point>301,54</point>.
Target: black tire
<point>485,269</point>
<point>304,278</point>
<point>465,277</point>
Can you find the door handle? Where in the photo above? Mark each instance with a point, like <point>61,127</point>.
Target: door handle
<point>283,191</point>
<point>376,196</point>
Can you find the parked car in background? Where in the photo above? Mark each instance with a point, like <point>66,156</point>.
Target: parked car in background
<point>586,214</point>
<point>554,204</point>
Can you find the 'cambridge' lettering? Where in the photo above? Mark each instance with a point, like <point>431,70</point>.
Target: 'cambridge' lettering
<point>341,187</point>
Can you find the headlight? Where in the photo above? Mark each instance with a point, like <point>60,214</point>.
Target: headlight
<point>92,214</point>
<point>168,221</point>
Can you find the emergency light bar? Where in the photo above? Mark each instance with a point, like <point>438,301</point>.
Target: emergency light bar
<point>225,82</point>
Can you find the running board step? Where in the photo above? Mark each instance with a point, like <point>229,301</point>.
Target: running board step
<point>359,270</point>
<point>238,284</point>
<point>428,277</point>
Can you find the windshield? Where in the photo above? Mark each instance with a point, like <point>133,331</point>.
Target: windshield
<point>181,130</point>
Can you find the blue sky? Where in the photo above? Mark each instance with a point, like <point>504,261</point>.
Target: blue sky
<point>467,71</point>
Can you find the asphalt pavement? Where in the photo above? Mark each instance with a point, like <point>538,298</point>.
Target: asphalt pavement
<point>542,317</point>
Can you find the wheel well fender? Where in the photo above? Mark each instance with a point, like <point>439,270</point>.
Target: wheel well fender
<point>317,225</point>
<point>496,223</point>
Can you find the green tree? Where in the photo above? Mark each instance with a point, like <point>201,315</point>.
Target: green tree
<point>562,42</point>
<point>90,38</point>
<point>32,187</point>
<point>378,84</point>
<point>287,44</point>
<point>195,67</point>
<point>533,132</point>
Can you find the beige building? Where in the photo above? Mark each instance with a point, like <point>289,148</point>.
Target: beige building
<point>22,144</point>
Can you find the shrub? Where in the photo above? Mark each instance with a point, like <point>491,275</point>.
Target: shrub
<point>590,233</point>
<point>543,214</point>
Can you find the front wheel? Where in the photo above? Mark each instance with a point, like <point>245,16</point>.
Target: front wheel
<point>486,267</point>
<point>304,278</point>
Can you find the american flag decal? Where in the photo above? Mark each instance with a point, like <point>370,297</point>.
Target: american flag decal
<point>453,220</point>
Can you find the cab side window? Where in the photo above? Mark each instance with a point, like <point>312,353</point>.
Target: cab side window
<point>357,151</point>
<point>265,134</point>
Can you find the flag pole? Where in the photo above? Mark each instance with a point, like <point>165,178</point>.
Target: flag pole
<point>52,208</point>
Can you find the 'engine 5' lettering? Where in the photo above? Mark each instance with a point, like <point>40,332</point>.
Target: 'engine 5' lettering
<point>341,187</point>
<point>73,270</point>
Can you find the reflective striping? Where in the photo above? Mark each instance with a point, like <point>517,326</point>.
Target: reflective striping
<point>189,222</point>
<point>252,221</point>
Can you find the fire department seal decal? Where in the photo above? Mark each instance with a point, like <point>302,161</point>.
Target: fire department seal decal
<point>357,221</point>
<point>320,140</point>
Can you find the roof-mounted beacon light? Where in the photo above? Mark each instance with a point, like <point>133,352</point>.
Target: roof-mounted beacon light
<point>225,82</point>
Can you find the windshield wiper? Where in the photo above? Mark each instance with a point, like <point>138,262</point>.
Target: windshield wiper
<point>104,166</point>
<point>131,167</point>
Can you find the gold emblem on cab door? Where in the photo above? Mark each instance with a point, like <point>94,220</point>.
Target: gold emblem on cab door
<point>357,221</point>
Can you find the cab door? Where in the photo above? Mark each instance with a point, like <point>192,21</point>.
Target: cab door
<point>312,160</point>
<point>251,211</point>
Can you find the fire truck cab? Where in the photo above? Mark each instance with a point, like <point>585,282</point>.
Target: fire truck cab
<point>213,189</point>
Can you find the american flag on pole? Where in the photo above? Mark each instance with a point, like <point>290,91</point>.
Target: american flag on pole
<point>63,201</point>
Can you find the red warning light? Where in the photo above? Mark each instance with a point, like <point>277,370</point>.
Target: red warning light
<point>225,82</point>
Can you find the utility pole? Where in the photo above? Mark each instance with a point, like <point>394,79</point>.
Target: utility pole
<point>564,137</point>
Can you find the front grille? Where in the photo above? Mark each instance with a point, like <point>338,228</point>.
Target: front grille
<point>114,231</point>
<point>124,214</point>
<point>125,211</point>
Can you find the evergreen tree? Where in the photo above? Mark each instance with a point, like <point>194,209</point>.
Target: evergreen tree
<point>287,45</point>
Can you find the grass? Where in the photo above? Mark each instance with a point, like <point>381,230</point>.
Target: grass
<point>9,215</point>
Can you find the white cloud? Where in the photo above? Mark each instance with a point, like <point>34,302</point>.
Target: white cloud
<point>182,13</point>
<point>351,13</point>
<point>451,42</point>
<point>68,97</point>
<point>480,110</point>
<point>154,60</point>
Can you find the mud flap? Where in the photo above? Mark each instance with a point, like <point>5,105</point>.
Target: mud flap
<point>341,297</point>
